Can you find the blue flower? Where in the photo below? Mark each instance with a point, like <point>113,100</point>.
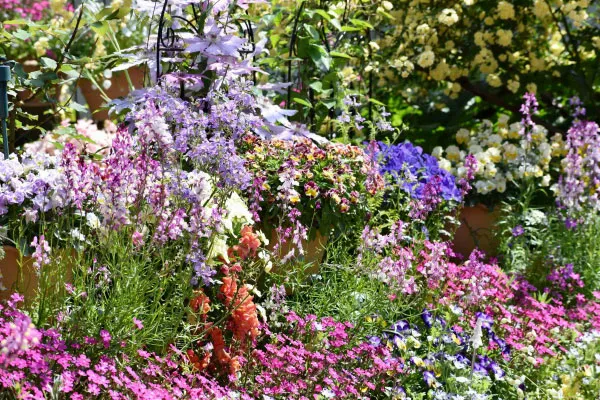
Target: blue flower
<point>427,318</point>
<point>408,167</point>
<point>486,320</point>
<point>400,326</point>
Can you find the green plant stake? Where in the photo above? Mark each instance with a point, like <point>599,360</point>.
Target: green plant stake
<point>4,78</point>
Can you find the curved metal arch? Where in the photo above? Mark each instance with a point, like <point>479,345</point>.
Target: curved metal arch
<point>168,40</point>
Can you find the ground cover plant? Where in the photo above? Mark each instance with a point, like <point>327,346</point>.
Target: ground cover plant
<point>272,211</point>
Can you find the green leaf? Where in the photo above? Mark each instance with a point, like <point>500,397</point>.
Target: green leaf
<point>302,101</point>
<point>48,63</point>
<point>316,86</point>
<point>21,34</point>
<point>19,71</point>
<point>323,14</point>
<point>100,27</point>
<point>386,14</point>
<point>361,24</point>
<point>15,22</point>
<point>320,56</point>
<point>329,104</point>
<point>78,107</point>
<point>330,19</point>
<point>376,102</point>
<point>311,31</point>
<point>339,55</point>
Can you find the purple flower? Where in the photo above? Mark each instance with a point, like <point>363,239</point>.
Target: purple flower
<point>517,231</point>
<point>407,166</point>
<point>429,378</point>
<point>427,318</point>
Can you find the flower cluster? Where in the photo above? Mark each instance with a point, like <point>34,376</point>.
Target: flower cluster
<point>505,45</point>
<point>317,358</point>
<point>33,184</point>
<point>34,10</point>
<point>577,187</point>
<point>443,359</point>
<point>37,363</point>
<point>301,187</point>
<point>411,169</point>
<point>528,322</point>
<point>506,154</point>
<point>222,349</point>
<point>84,134</point>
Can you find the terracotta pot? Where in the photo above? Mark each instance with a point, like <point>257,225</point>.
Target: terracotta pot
<point>313,251</point>
<point>19,274</point>
<point>118,88</point>
<point>477,230</point>
<point>38,101</point>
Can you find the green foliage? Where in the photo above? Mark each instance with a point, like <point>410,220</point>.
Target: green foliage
<point>547,243</point>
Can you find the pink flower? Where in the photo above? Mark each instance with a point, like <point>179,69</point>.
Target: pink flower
<point>137,239</point>
<point>138,324</point>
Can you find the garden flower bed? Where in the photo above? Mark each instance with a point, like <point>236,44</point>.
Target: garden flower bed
<point>277,204</point>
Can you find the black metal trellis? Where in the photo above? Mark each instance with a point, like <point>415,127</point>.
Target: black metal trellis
<point>4,78</point>
<point>169,42</point>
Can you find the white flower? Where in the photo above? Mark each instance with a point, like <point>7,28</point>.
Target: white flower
<point>453,153</point>
<point>219,249</point>
<point>494,154</point>
<point>426,58</point>
<point>462,136</point>
<point>504,37</point>
<point>448,17</point>
<point>437,152</point>
<point>92,220</point>
<point>494,140</point>
<point>77,235</point>
<point>476,339</point>
<point>445,164</point>
<point>236,209</point>
<point>30,216</point>
<point>546,181</point>
<point>500,185</point>
<point>506,10</point>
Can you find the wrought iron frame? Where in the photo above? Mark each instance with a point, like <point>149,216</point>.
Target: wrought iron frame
<point>167,38</point>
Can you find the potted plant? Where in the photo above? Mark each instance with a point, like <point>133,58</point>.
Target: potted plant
<point>508,155</point>
<point>108,76</point>
<point>303,192</point>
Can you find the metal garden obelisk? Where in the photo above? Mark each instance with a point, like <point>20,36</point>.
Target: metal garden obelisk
<point>4,78</point>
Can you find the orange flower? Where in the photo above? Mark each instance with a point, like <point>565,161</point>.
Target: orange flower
<point>247,246</point>
<point>200,303</point>
<point>244,317</point>
<point>223,357</point>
